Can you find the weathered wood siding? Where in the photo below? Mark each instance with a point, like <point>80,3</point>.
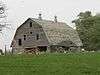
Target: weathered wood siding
<point>31,35</point>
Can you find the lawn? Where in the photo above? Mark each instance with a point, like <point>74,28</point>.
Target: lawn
<point>51,64</point>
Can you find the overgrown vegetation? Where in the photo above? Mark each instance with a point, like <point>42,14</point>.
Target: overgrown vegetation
<point>88,27</point>
<point>51,64</point>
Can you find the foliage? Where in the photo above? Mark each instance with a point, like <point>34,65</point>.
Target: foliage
<point>2,15</point>
<point>88,27</point>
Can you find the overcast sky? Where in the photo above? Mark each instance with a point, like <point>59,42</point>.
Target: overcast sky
<point>66,10</point>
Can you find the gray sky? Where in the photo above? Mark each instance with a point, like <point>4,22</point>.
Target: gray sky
<point>66,10</point>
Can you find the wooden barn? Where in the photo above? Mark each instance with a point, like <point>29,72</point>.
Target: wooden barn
<point>45,35</point>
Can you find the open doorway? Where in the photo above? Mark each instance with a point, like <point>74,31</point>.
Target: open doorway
<point>42,48</point>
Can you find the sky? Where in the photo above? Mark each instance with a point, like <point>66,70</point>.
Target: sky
<point>66,11</point>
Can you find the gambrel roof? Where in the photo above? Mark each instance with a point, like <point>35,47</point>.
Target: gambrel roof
<point>58,32</point>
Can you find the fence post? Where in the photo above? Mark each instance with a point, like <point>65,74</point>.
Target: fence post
<point>5,50</point>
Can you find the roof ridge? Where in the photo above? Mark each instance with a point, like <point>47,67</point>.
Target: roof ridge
<point>47,20</point>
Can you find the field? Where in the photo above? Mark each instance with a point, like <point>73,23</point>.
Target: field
<point>51,64</point>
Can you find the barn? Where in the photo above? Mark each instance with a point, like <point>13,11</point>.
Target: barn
<point>45,35</point>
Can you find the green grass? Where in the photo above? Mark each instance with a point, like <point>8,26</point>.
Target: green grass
<point>51,64</point>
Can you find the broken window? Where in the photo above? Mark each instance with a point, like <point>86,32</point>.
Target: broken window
<point>37,36</point>
<point>30,24</point>
<point>19,42</point>
<point>30,32</point>
<point>24,37</point>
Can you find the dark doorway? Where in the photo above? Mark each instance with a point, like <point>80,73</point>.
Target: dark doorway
<point>42,48</point>
<point>19,42</point>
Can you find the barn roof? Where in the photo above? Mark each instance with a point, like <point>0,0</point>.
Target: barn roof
<point>58,32</point>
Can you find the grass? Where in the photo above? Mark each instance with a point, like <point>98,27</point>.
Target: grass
<point>51,64</point>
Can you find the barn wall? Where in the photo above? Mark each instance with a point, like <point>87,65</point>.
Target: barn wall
<point>31,36</point>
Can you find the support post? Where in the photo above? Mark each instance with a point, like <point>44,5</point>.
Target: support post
<point>48,49</point>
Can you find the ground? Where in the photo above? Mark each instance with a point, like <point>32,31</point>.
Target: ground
<point>51,64</point>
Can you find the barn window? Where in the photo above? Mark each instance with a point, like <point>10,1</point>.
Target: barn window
<point>30,24</point>
<point>19,42</point>
<point>30,32</point>
<point>37,36</point>
<point>24,37</point>
<point>71,43</point>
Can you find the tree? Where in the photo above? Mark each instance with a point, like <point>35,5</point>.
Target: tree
<point>88,28</point>
<point>2,15</point>
<point>3,22</point>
